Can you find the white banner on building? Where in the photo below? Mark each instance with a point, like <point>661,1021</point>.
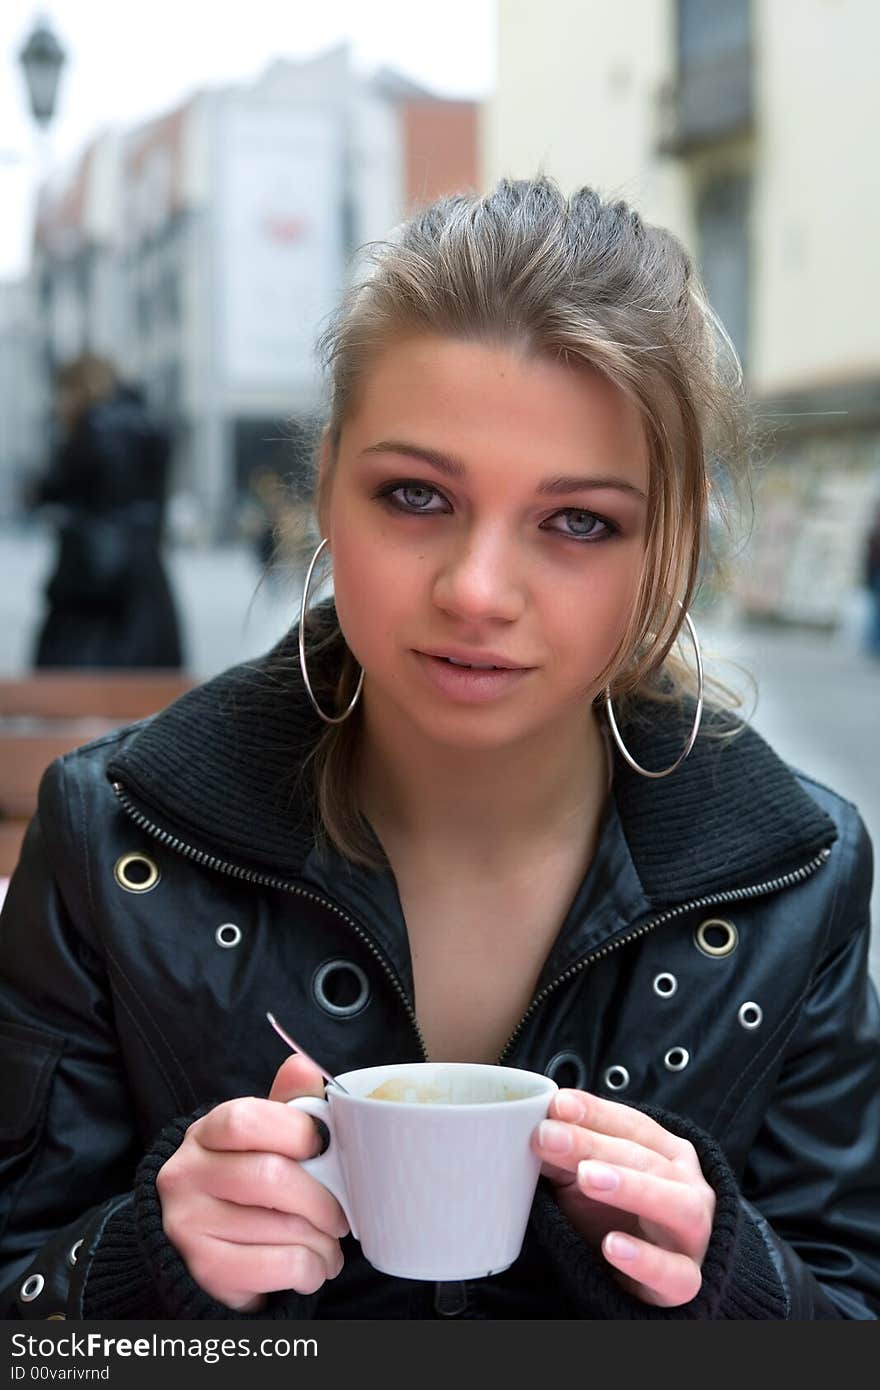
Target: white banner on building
<point>280,256</point>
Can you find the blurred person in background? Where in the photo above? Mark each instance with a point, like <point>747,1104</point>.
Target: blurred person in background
<point>109,600</point>
<point>872,580</point>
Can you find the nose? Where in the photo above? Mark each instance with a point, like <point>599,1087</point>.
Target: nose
<point>480,579</point>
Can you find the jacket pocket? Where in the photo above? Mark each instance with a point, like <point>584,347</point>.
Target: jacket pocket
<point>28,1059</point>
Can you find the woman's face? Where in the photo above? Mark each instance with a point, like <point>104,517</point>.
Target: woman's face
<point>489,508</point>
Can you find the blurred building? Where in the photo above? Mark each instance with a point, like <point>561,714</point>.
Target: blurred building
<point>22,404</point>
<point>204,250</point>
<point>749,129</point>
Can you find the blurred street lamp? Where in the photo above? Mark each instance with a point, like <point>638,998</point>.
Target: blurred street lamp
<point>42,59</point>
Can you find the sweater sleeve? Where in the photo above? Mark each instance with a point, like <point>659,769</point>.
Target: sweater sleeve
<point>135,1271</point>
<point>741,1276</point>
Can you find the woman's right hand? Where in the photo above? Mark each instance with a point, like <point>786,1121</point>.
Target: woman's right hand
<point>237,1206</point>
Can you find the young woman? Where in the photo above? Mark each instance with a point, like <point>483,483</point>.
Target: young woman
<point>472,809</point>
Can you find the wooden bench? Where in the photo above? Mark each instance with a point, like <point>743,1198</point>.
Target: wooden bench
<point>116,695</point>
<point>46,715</point>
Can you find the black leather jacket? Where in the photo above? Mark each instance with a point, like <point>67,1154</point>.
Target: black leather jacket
<point>127,1006</point>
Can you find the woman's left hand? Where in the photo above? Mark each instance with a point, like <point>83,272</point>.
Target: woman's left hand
<point>631,1188</point>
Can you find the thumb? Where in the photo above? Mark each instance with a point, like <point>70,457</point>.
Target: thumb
<point>296,1076</point>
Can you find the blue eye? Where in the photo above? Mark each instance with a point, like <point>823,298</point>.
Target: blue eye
<point>417,496</point>
<point>582,525</point>
<point>413,497</point>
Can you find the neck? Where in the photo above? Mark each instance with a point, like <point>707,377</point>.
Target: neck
<point>482,806</point>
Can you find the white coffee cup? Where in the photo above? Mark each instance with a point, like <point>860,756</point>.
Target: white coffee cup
<point>439,1184</point>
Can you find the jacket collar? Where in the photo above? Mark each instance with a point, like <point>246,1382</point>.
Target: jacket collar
<point>225,769</point>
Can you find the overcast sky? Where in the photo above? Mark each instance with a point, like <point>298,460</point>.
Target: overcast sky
<point>127,62</point>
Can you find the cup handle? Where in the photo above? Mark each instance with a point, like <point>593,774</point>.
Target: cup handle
<point>326,1166</point>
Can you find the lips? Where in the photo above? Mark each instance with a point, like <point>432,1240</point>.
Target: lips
<point>478,661</point>
<point>464,680</point>
<point>472,665</point>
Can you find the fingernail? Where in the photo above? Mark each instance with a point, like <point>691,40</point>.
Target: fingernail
<point>620,1247</point>
<point>568,1107</point>
<point>553,1137</point>
<point>598,1175</point>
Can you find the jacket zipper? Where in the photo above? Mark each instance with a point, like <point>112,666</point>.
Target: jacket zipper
<point>268,880</point>
<point>714,899</point>
<point>251,876</point>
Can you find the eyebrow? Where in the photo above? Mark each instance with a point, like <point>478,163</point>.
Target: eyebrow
<point>454,468</point>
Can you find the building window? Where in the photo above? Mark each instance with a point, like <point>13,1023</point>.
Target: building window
<point>711,99</point>
<point>168,293</point>
<point>708,30</point>
<point>723,231</point>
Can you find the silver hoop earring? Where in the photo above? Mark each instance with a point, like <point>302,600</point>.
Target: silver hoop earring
<point>636,767</point>
<point>327,718</point>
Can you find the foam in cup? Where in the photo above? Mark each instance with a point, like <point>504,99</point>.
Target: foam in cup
<point>448,1089</point>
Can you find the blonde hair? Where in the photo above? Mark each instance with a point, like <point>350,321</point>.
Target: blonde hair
<point>583,281</point>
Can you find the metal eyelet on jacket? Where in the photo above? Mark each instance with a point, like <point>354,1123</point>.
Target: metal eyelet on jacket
<point>567,1070</point>
<point>676,1059</point>
<point>341,988</point>
<point>665,985</point>
<point>228,935</point>
<point>73,1252</point>
<point>716,937</point>
<point>616,1078</point>
<point>136,873</point>
<point>31,1288</point>
<point>750,1015</point>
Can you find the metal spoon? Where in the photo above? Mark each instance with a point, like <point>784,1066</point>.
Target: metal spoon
<point>296,1048</point>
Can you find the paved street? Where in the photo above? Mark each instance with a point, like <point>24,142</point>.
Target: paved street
<point>818,704</point>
